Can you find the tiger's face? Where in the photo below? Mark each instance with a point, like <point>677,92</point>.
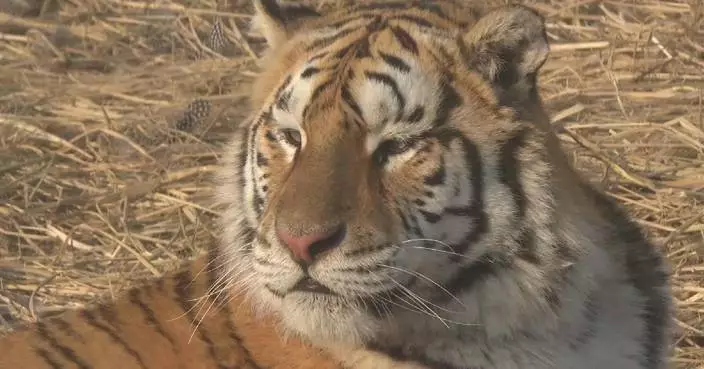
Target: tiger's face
<point>366,172</point>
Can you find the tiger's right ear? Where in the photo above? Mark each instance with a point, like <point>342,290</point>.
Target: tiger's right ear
<point>278,22</point>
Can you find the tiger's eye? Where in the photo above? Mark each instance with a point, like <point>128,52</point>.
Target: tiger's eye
<point>392,147</point>
<point>292,137</point>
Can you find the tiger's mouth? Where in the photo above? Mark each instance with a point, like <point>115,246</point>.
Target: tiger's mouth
<point>309,285</point>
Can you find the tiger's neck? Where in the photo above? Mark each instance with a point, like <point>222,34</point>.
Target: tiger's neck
<point>530,279</point>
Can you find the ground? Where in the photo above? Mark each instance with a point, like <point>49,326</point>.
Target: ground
<point>104,183</point>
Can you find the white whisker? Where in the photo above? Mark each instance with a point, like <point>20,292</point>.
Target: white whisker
<point>421,275</point>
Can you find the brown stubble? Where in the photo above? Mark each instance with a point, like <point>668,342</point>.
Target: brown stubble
<point>623,86</point>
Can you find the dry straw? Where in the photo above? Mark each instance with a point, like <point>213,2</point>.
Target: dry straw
<point>104,182</point>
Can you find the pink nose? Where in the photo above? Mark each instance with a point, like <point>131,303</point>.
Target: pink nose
<point>308,246</point>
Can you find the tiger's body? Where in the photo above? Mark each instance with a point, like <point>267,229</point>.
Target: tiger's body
<point>403,193</point>
<point>396,199</point>
<point>153,327</point>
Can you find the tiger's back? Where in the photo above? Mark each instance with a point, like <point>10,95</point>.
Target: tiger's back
<point>154,327</point>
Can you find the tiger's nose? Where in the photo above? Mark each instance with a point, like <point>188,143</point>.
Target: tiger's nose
<point>307,247</point>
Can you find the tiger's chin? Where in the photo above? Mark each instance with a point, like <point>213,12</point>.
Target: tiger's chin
<point>325,319</point>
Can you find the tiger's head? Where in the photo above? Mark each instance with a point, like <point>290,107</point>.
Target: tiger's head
<point>388,150</point>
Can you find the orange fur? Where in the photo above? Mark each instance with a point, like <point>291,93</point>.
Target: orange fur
<point>123,336</point>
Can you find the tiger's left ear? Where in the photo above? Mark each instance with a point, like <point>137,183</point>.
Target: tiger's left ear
<point>508,46</point>
<point>278,22</point>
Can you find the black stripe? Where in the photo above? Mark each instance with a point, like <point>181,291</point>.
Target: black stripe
<point>405,5</point>
<point>384,6</point>
<point>415,225</point>
<point>350,101</point>
<point>48,359</point>
<point>395,62</point>
<point>359,270</point>
<point>317,56</point>
<point>510,170</point>
<point>460,211</point>
<point>318,90</point>
<point>366,250</point>
<point>282,87</point>
<point>467,277</point>
<point>407,225</point>
<point>646,271</point>
<point>65,351</point>
<point>363,49</point>
<point>283,100</point>
<point>562,250</point>
<point>212,270</point>
<point>287,13</point>
<point>184,293</point>
<point>309,72</point>
<point>437,178</point>
<point>551,293</point>
<point>262,161</point>
<point>235,337</point>
<point>258,202</point>
<point>405,39</point>
<point>109,316</point>
<point>343,52</point>
<point>376,24</point>
<point>476,206</point>
<point>352,18</point>
<point>391,83</point>
<point>272,8</point>
<point>416,115</point>
<point>247,234</point>
<point>329,40</point>
<point>449,101</point>
<point>293,12</point>
<point>66,328</point>
<point>430,217</point>
<point>135,297</point>
<point>418,21</point>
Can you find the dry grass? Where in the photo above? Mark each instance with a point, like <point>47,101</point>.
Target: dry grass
<point>99,189</point>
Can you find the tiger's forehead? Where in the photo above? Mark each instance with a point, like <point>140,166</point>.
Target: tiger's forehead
<point>385,76</point>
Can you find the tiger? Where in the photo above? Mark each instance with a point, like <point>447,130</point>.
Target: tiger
<point>398,189</point>
<point>171,322</point>
<point>152,327</point>
<point>396,199</point>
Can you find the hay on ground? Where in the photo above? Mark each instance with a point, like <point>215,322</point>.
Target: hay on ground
<point>102,184</point>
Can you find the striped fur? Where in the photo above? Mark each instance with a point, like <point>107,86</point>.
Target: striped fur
<point>469,240</point>
<point>150,328</point>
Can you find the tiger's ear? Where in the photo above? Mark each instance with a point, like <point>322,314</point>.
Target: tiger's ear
<point>277,22</point>
<point>508,46</point>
